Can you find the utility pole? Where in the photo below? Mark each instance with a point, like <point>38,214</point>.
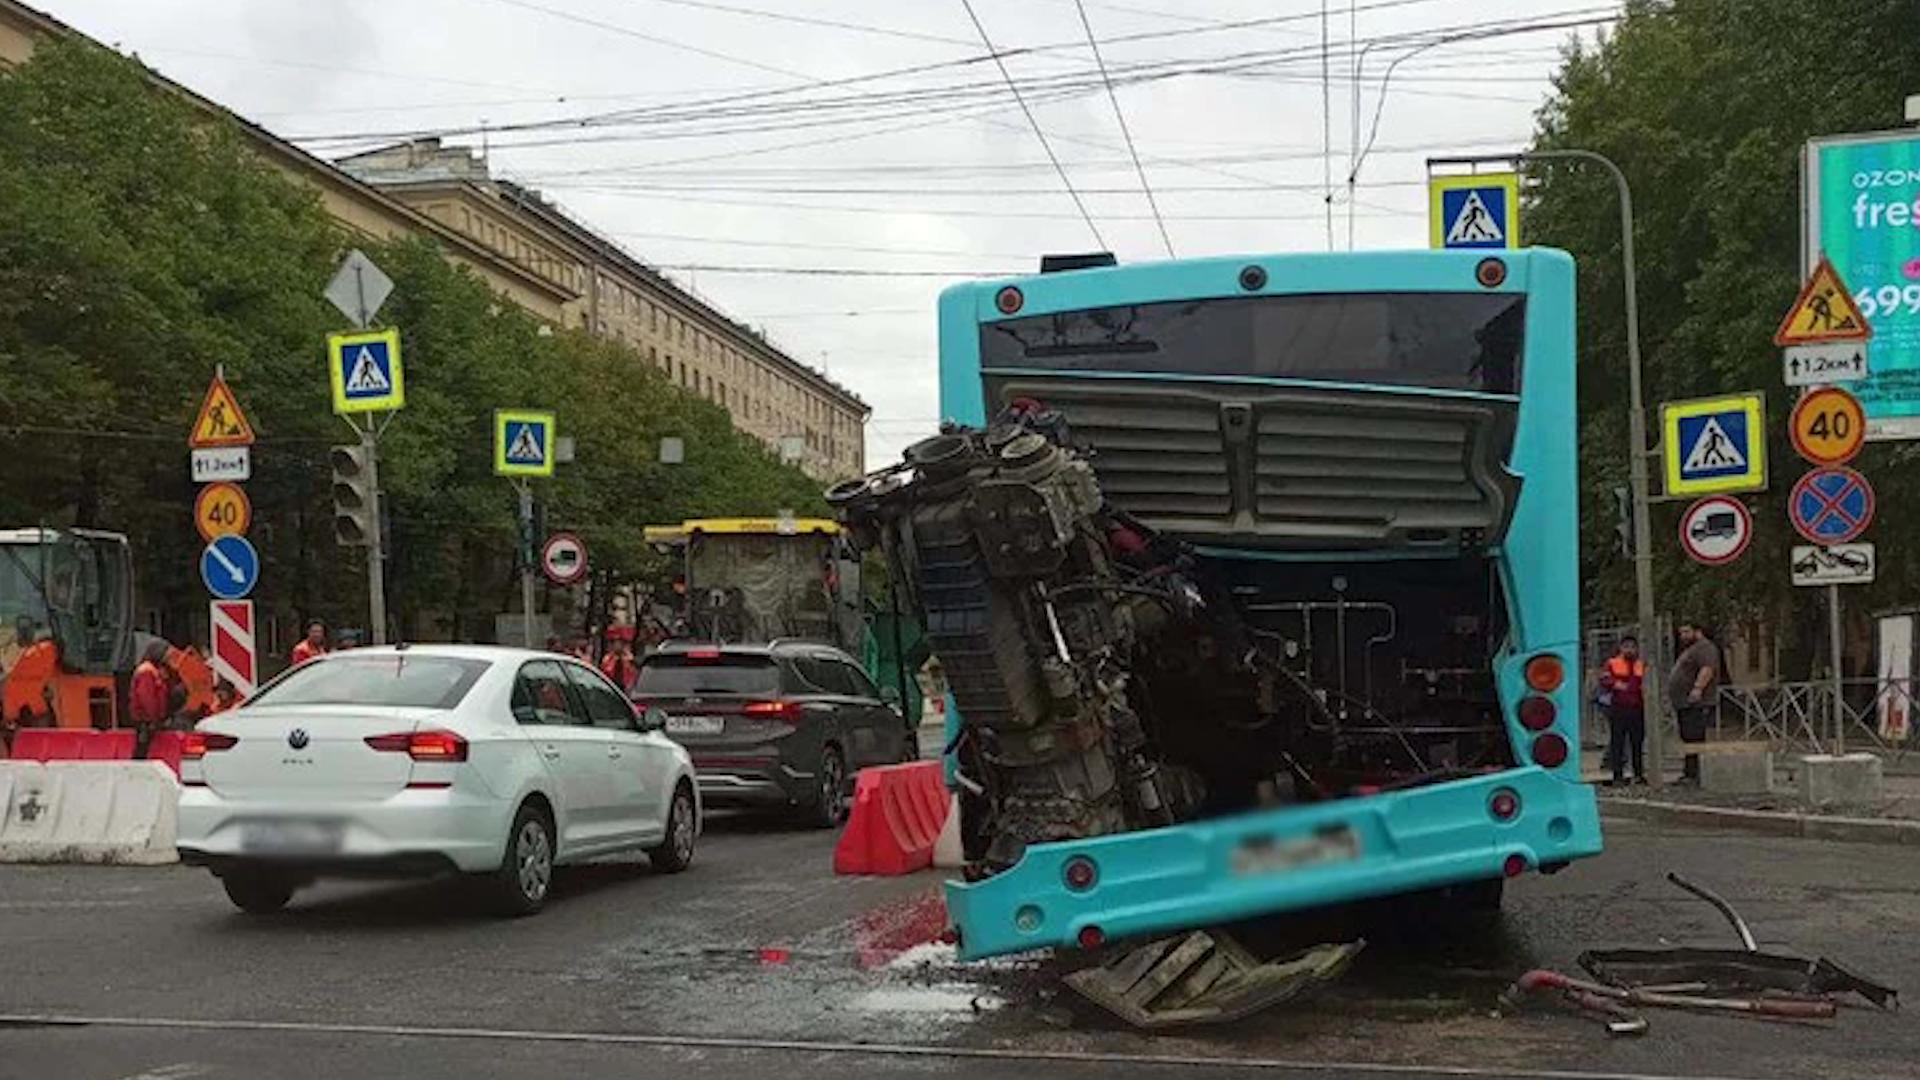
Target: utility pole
<point>528,541</point>
<point>1638,481</point>
<point>365,370</point>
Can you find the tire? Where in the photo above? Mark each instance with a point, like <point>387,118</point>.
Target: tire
<point>683,824</point>
<point>1481,897</point>
<point>258,892</point>
<point>829,808</point>
<point>909,748</point>
<point>525,877</point>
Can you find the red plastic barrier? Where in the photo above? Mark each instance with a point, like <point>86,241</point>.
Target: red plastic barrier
<point>65,744</point>
<point>165,748</point>
<point>898,811</point>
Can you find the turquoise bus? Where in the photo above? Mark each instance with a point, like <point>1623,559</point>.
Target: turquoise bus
<point>1260,589</point>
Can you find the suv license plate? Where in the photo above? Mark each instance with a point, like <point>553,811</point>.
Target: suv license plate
<point>1276,855</point>
<point>695,725</point>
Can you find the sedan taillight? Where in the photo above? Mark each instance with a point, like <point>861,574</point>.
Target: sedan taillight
<point>430,745</point>
<point>198,744</point>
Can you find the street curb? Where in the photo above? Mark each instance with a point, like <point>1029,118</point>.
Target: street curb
<point>1768,822</point>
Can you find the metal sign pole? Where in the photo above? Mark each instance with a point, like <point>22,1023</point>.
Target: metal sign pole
<point>526,568</point>
<point>376,544</point>
<point>1839,698</point>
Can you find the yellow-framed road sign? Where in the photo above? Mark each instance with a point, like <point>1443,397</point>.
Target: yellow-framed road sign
<point>364,368</point>
<point>523,442</point>
<point>1713,445</point>
<point>1474,210</point>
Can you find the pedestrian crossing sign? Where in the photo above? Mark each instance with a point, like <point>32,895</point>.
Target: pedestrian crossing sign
<point>364,367</point>
<point>522,442</point>
<point>1477,210</point>
<point>1715,445</point>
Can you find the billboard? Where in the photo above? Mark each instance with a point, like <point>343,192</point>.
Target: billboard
<point>1861,206</point>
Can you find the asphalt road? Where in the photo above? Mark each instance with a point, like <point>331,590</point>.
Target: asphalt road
<point>759,960</point>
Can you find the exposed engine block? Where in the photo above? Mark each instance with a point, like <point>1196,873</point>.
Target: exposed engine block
<point>1002,543</point>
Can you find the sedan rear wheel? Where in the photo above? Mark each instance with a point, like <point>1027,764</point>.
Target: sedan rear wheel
<point>521,884</point>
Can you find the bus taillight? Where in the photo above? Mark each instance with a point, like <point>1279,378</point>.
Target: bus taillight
<point>1537,713</point>
<point>1009,300</point>
<point>1549,751</point>
<point>1546,672</point>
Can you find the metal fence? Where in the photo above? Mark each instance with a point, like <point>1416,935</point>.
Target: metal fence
<point>1801,715</point>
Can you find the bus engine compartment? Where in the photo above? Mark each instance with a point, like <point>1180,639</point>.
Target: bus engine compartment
<point>1111,677</point>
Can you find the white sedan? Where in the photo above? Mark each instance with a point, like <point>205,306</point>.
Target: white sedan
<point>430,759</point>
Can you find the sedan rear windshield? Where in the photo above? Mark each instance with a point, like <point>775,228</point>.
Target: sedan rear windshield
<point>422,682</point>
<point>682,674</point>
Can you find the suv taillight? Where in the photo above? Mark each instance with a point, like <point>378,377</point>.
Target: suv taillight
<point>197,744</point>
<point>430,745</point>
<point>788,711</point>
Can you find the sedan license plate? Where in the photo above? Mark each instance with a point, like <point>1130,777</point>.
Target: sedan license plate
<point>290,837</point>
<point>695,725</point>
<point>1276,855</point>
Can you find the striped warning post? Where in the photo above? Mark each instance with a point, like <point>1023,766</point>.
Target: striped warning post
<point>235,658</point>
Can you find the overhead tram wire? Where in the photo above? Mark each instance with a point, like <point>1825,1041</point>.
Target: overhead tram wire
<point>1126,135</point>
<point>1034,122</point>
<point>809,85</point>
<point>808,20</point>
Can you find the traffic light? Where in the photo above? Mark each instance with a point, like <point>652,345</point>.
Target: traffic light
<point>353,521</point>
<point>1623,522</point>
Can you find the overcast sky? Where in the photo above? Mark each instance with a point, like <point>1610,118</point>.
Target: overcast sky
<point>930,175</point>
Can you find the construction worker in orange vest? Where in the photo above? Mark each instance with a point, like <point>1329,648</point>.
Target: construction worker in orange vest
<point>148,694</point>
<point>1623,684</point>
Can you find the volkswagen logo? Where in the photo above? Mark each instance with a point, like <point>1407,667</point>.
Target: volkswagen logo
<point>297,738</point>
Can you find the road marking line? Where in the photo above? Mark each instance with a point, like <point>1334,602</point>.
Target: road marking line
<point>716,1042</point>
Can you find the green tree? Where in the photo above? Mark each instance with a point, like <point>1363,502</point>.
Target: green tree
<point>1705,105</point>
<point>143,245</point>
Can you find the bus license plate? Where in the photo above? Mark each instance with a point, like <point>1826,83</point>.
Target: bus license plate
<point>1277,855</point>
<point>290,837</point>
<point>695,725</point>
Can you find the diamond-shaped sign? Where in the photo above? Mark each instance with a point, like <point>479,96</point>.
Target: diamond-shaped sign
<point>359,288</point>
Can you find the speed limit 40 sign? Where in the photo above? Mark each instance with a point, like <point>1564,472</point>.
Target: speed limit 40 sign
<point>1828,426</point>
<point>222,510</point>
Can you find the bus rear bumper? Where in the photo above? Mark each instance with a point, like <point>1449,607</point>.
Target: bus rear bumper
<point>1265,862</point>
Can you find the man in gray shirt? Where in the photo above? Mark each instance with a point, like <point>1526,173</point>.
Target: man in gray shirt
<point>1690,686</point>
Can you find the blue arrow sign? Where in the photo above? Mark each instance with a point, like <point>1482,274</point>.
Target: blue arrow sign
<point>230,567</point>
<point>1831,506</point>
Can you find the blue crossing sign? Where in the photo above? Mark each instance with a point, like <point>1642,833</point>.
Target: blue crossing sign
<point>365,370</point>
<point>1715,445</point>
<point>1831,505</point>
<point>230,567</point>
<point>523,442</point>
<point>1477,210</point>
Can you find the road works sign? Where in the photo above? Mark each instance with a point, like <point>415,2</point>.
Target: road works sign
<point>1828,426</point>
<point>1715,445</point>
<point>220,422</point>
<point>522,442</point>
<point>235,656</point>
<point>1824,313</point>
<point>1831,506</point>
<point>1480,210</point>
<point>1716,530</point>
<point>365,371</point>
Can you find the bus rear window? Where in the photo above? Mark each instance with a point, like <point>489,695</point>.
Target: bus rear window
<point>1450,341</point>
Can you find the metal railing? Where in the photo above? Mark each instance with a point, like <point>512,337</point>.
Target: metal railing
<point>1801,715</point>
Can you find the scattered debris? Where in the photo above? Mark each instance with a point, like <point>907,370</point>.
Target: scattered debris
<point>1204,977</point>
<point>1745,981</point>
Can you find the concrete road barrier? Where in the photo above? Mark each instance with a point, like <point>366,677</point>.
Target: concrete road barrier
<point>124,812</point>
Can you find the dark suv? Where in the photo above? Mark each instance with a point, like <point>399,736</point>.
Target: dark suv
<point>784,724</point>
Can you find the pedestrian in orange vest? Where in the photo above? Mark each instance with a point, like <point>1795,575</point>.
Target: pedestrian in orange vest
<point>311,647</point>
<point>1623,684</point>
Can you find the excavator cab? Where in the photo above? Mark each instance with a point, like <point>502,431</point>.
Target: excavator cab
<point>66,625</point>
